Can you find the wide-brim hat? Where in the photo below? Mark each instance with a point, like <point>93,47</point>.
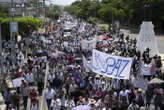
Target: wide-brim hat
<point>103,82</point>
<point>92,101</point>
<point>97,76</point>
<point>139,90</point>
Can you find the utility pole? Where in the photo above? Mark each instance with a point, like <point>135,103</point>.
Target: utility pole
<point>112,19</point>
<point>11,37</point>
<point>13,31</point>
<point>44,5</point>
<point>37,8</point>
<point>1,59</point>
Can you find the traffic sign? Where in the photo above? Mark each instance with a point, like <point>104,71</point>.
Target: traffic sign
<point>13,26</point>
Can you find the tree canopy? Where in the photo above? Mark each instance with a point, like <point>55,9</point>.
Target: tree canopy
<point>54,13</point>
<point>129,12</point>
<point>25,25</point>
<point>3,11</point>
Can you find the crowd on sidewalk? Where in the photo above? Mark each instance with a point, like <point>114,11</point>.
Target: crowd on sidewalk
<point>69,83</point>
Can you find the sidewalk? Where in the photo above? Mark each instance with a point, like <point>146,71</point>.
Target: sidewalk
<point>162,57</point>
<point>2,105</point>
<point>10,85</point>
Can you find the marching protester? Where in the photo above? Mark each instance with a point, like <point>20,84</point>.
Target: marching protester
<point>8,98</point>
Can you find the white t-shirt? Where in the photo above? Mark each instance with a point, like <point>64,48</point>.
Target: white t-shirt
<point>105,109</point>
<point>156,109</point>
<point>49,94</point>
<point>31,76</point>
<point>123,93</point>
<point>72,88</point>
<point>34,107</point>
<point>56,104</point>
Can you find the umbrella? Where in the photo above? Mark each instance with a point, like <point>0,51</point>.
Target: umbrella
<point>82,107</point>
<point>78,58</point>
<point>57,54</point>
<point>71,66</point>
<point>54,55</point>
<point>98,29</point>
<point>39,51</point>
<point>156,81</point>
<point>51,37</point>
<point>105,37</point>
<point>60,53</point>
<point>42,38</point>
<point>110,39</point>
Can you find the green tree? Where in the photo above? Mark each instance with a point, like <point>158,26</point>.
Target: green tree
<point>24,25</point>
<point>129,12</point>
<point>3,11</point>
<point>54,13</point>
<point>56,8</point>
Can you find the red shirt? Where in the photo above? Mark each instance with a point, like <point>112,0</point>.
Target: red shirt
<point>19,74</point>
<point>70,58</point>
<point>33,95</point>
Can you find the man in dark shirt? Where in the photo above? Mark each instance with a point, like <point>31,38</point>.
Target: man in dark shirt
<point>8,98</point>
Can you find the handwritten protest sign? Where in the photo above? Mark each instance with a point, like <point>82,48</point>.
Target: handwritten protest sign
<point>111,66</point>
<point>140,83</point>
<point>17,82</point>
<point>147,69</point>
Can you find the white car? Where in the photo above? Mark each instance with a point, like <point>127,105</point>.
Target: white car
<point>66,34</point>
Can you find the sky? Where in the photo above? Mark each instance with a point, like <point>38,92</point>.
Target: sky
<point>62,2</point>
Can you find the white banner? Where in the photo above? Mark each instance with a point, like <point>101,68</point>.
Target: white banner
<point>147,39</point>
<point>81,28</point>
<point>17,82</point>
<point>89,45</point>
<point>87,64</point>
<point>146,69</point>
<point>111,66</point>
<point>140,83</point>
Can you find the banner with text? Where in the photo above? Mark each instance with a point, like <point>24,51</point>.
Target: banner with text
<point>89,45</point>
<point>140,83</point>
<point>147,69</point>
<point>111,66</point>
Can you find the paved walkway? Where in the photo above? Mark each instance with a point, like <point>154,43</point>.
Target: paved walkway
<point>10,85</point>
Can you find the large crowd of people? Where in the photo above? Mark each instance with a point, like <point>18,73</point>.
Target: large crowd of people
<point>69,84</point>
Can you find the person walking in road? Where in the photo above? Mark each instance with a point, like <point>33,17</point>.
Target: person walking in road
<point>55,103</point>
<point>49,94</point>
<point>34,105</point>
<point>25,94</point>
<point>8,98</point>
<point>15,100</point>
